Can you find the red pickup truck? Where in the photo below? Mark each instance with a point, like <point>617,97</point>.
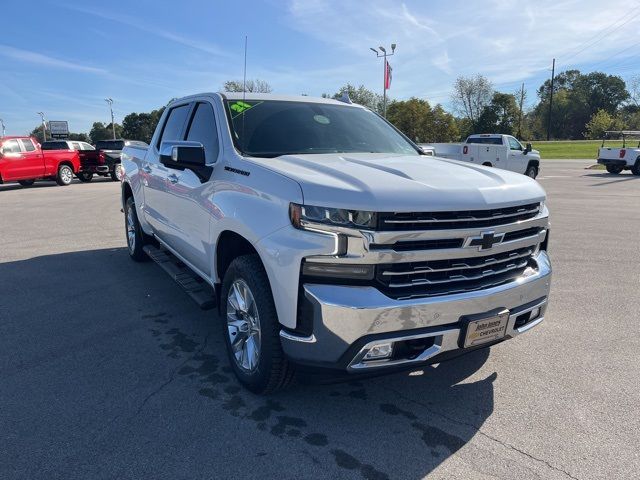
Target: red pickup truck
<point>23,161</point>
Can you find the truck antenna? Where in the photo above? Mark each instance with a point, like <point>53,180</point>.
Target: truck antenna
<point>244,87</point>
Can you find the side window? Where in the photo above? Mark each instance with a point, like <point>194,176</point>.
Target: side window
<point>11,146</point>
<point>76,146</point>
<point>173,126</point>
<point>203,129</point>
<point>514,144</point>
<point>27,144</point>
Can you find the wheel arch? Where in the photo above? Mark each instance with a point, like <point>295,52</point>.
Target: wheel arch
<point>229,246</point>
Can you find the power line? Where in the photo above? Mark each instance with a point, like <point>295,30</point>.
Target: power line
<point>599,36</point>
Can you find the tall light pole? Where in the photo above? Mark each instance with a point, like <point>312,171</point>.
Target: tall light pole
<point>3,129</point>
<point>44,126</point>
<point>113,125</point>
<point>384,55</point>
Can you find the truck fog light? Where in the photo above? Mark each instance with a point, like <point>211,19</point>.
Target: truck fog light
<point>379,350</point>
<point>535,313</point>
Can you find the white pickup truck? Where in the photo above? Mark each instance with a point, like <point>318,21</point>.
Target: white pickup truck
<point>328,240</point>
<point>617,159</point>
<point>491,150</point>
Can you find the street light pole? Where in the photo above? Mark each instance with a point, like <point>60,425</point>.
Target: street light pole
<point>44,126</point>
<point>384,55</point>
<point>113,125</point>
<point>3,129</point>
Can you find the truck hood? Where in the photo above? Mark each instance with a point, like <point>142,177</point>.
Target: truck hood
<point>384,182</point>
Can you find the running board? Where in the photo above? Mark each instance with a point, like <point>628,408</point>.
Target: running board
<point>199,290</point>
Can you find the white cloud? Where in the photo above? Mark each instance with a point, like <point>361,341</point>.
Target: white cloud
<point>139,24</point>
<point>36,58</point>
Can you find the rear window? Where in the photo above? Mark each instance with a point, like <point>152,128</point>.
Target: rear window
<point>28,145</point>
<point>110,145</point>
<point>485,140</point>
<point>55,146</point>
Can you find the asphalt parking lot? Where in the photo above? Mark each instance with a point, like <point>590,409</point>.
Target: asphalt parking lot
<point>108,370</point>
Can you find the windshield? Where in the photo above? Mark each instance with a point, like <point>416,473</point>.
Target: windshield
<point>272,128</point>
<point>110,145</point>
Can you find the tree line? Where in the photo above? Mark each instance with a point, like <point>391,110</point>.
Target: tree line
<point>583,107</point>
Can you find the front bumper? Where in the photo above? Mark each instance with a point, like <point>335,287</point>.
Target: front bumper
<point>347,319</point>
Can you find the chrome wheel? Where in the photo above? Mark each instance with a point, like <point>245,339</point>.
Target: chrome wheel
<point>243,326</point>
<point>131,230</point>
<point>66,175</point>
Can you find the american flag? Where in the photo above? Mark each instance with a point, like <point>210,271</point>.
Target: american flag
<point>387,76</point>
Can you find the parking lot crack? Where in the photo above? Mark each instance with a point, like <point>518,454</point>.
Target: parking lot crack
<point>479,431</point>
<point>173,374</point>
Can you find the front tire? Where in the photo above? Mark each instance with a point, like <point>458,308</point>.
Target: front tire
<point>614,169</point>
<point>65,175</point>
<point>636,168</point>
<point>116,173</point>
<point>532,171</point>
<point>136,238</point>
<point>85,177</point>
<point>26,183</point>
<point>251,328</point>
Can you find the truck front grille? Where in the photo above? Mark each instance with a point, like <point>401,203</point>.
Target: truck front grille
<point>393,221</point>
<point>444,277</point>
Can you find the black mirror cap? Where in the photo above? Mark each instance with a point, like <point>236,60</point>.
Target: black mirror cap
<point>185,154</point>
<point>529,147</point>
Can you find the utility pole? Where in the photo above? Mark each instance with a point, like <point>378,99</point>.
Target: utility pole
<point>44,126</point>
<point>384,55</point>
<point>553,73</point>
<point>3,129</point>
<point>113,125</point>
<point>520,118</point>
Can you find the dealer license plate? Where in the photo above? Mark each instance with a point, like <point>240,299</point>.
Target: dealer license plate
<point>486,330</point>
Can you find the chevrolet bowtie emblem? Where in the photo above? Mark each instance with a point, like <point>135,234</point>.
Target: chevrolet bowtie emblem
<point>485,241</point>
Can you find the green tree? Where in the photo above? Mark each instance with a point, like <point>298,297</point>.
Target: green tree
<point>577,97</point>
<point>360,95</point>
<point>600,122</point>
<point>500,116</point>
<point>422,123</point>
<point>256,86</point>
<point>100,131</point>
<point>37,133</point>
<point>140,126</point>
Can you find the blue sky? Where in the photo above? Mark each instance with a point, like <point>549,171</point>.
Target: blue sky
<point>64,57</point>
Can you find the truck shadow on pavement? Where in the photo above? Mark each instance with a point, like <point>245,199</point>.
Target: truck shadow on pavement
<point>398,426</point>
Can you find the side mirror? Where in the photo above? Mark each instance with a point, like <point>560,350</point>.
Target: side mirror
<point>181,155</point>
<point>527,148</point>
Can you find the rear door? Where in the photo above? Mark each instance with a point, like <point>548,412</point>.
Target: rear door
<point>155,174</point>
<point>187,193</point>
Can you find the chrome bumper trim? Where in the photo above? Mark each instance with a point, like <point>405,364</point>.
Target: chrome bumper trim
<point>445,341</point>
<point>342,315</point>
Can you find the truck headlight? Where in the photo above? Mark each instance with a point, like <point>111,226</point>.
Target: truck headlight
<point>309,215</point>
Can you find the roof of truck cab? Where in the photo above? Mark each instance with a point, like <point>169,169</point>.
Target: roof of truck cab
<point>278,97</point>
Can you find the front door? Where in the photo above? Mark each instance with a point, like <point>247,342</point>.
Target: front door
<point>155,176</point>
<point>517,161</point>
<point>188,195</point>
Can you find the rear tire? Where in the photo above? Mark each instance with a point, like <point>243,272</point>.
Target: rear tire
<point>487,164</point>
<point>26,183</point>
<point>614,169</point>
<point>251,328</point>
<point>84,177</point>
<point>136,238</point>
<point>636,168</point>
<point>532,171</point>
<point>65,175</point>
<point>116,173</point>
